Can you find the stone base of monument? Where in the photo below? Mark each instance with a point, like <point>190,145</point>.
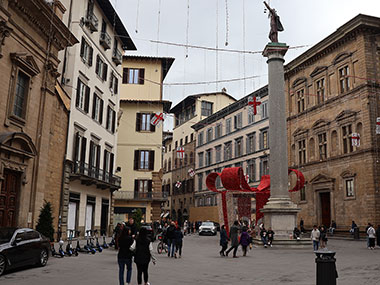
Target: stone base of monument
<point>287,243</point>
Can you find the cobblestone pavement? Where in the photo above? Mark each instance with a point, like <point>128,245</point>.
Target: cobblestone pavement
<point>201,264</point>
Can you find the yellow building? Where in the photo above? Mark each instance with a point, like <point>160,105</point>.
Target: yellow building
<point>139,142</point>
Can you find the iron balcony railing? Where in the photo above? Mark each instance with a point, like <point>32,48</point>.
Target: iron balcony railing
<point>92,22</point>
<point>96,173</point>
<point>133,195</point>
<point>117,57</point>
<point>105,40</point>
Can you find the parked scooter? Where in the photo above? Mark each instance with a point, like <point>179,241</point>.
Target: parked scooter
<point>69,247</point>
<point>105,245</point>
<point>98,246</point>
<point>89,245</point>
<point>54,252</point>
<point>78,248</point>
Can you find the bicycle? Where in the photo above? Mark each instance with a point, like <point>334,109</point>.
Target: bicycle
<point>162,246</point>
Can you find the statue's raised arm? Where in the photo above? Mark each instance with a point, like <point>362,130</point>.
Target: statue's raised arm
<point>275,24</point>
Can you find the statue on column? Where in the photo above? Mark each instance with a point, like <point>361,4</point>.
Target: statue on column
<point>275,24</point>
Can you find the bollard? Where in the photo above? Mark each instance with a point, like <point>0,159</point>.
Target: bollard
<point>326,269</point>
<point>356,233</point>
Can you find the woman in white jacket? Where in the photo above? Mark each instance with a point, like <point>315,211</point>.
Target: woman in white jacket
<point>371,236</point>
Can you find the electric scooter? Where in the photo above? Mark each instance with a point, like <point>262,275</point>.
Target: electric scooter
<point>78,247</point>
<point>89,245</point>
<point>105,245</point>
<point>98,247</point>
<point>53,251</point>
<point>69,247</point>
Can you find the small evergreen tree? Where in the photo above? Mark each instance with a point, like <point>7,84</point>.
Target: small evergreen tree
<point>45,221</point>
<point>137,216</point>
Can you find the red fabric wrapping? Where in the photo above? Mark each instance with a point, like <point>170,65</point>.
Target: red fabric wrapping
<point>261,200</point>
<point>244,206</point>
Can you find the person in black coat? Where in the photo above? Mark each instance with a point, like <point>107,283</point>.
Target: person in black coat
<point>170,239</point>
<point>143,249</point>
<point>131,224</point>
<point>223,240</point>
<point>378,235</point>
<point>124,257</point>
<point>178,239</point>
<point>234,235</point>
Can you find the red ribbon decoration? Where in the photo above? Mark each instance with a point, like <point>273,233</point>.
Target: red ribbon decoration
<point>233,179</point>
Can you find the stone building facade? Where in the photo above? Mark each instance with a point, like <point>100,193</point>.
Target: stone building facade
<point>230,138</point>
<point>332,93</point>
<point>33,110</point>
<point>166,167</point>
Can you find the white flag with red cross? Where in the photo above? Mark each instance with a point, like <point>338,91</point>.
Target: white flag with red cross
<point>191,172</point>
<point>378,125</point>
<point>252,105</point>
<point>180,152</point>
<point>355,139</point>
<point>178,184</point>
<point>157,119</point>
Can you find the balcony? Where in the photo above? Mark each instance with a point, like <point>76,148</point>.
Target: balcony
<point>105,40</point>
<point>90,175</point>
<point>92,22</point>
<point>117,57</point>
<point>139,196</point>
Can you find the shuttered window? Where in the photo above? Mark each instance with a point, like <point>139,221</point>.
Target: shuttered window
<point>82,100</point>
<point>143,122</point>
<point>133,75</point>
<point>86,52</point>
<point>144,160</point>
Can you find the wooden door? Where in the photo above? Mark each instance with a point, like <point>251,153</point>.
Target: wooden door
<point>9,198</point>
<point>325,209</point>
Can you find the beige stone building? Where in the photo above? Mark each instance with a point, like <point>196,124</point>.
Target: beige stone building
<point>91,73</point>
<point>33,113</point>
<point>230,137</point>
<point>166,167</point>
<point>140,142</point>
<point>332,93</point>
<point>189,111</point>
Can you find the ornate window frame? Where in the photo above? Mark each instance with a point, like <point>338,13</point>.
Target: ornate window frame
<point>348,175</point>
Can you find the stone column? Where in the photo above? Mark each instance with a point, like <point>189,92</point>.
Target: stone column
<point>280,213</point>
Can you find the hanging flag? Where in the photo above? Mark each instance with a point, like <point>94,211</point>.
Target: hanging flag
<point>191,172</point>
<point>178,184</point>
<point>157,119</point>
<point>355,139</point>
<point>378,125</point>
<point>252,105</point>
<point>180,152</point>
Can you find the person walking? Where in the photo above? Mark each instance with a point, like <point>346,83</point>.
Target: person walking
<point>143,249</point>
<point>124,257</point>
<point>170,239</point>
<point>270,236</point>
<point>264,236</point>
<point>371,236</point>
<point>223,240</point>
<point>234,233</point>
<point>178,240</point>
<point>244,240</point>
<point>323,237</point>
<point>378,235</point>
<point>315,235</point>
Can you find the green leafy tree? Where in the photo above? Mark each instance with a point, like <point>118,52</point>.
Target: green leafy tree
<point>45,221</point>
<point>137,216</point>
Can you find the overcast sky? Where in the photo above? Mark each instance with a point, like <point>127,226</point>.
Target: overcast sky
<point>306,22</point>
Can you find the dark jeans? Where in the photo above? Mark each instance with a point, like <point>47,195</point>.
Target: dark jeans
<point>122,263</point>
<point>142,268</point>
<point>244,249</point>
<point>235,248</point>
<point>224,247</point>
<point>178,248</point>
<point>315,245</point>
<point>171,247</point>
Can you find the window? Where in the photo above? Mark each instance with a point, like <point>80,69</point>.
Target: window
<point>344,79</point>
<point>209,135</point>
<point>218,131</point>
<point>144,160</point>
<point>170,165</point>
<point>97,109</point>
<point>143,188</point>
<point>228,126</point>
<point>320,85</point>
<point>208,157</point>
<point>264,110</point>
<point>133,75</point>
<point>200,139</point>
<point>301,100</point>
<point>251,143</point>
<point>251,170</point>
<point>346,135</point>
<point>191,137</point>
<point>322,142</point>
<point>114,84</point>
<point>111,117</point>
<point>176,144</point>
<point>200,181</point>
<point>264,139</point>
<point>302,151</point>
<point>238,121</point>
<point>94,159</point>
<point>181,142</point>
<point>82,100</point>
<point>101,68</point>
<point>170,147</point>
<point>264,166</point>
<point>227,150</point>
<point>251,118</point>
<point>303,194</point>
<point>80,144</point>
<point>218,153</point>
<point>186,140</point>
<point>238,147</point>
<point>108,161</point>
<point>349,187</point>
<point>218,182</point>
<point>143,122</point>
<point>200,159</point>
<point>21,95</point>
<point>86,52</point>
<point>206,108</point>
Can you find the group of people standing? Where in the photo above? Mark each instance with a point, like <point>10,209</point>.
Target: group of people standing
<point>173,237</point>
<point>134,246</point>
<point>319,237</point>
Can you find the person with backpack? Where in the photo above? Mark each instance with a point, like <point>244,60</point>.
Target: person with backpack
<point>244,240</point>
<point>124,257</point>
<point>143,249</point>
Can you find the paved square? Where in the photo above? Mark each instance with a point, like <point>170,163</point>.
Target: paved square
<point>201,264</point>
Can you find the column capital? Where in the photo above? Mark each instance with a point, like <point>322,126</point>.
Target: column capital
<point>273,49</point>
